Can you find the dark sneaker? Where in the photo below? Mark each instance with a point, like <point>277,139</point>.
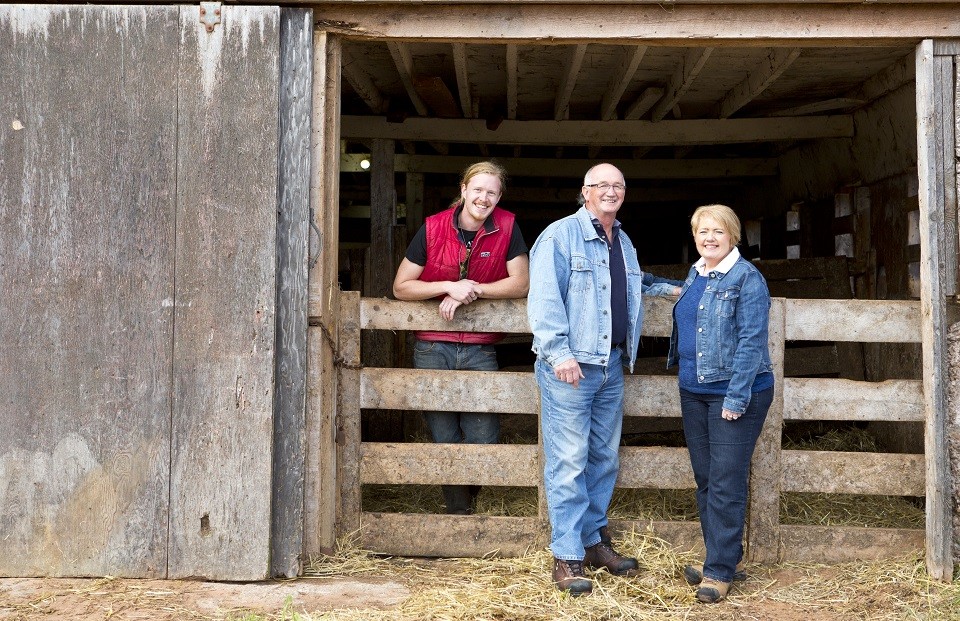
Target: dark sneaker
<point>568,576</point>
<point>693,574</point>
<point>603,555</point>
<point>712,591</point>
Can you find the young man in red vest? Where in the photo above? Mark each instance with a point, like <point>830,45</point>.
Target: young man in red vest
<point>473,249</point>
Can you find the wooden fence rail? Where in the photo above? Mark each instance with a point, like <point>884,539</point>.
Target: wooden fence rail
<point>774,470</point>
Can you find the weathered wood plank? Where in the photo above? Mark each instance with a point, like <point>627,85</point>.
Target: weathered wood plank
<point>347,438</point>
<point>466,391</point>
<point>322,491</point>
<point>455,464</point>
<point>645,395</point>
<point>87,212</point>
<point>603,133</point>
<point>293,217</point>
<point>763,512</point>
<point>843,544</point>
<point>835,472</point>
<point>224,361</point>
<point>418,534</point>
<point>672,469</point>
<point>849,400</point>
<point>683,24</point>
<point>867,321</point>
<point>932,323</point>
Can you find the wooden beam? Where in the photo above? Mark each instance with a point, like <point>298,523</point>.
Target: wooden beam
<point>837,472</point>
<point>865,321</point>
<point>403,61</point>
<point>772,67</point>
<point>322,493</point>
<point>512,69</point>
<point>644,102</point>
<point>619,84</point>
<point>825,105</point>
<point>574,168</point>
<point>363,84</point>
<point>886,81</point>
<point>845,544</point>
<point>463,78</point>
<point>934,88</point>
<point>681,81</point>
<point>561,106</point>
<point>454,464</point>
<point>633,133</point>
<point>684,24</point>
<point>828,398</point>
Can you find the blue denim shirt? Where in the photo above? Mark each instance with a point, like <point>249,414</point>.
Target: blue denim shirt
<point>732,326</point>
<point>569,301</point>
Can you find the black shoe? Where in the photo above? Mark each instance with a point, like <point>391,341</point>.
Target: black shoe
<point>568,576</point>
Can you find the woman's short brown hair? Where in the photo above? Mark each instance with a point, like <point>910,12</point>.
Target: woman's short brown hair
<point>722,214</point>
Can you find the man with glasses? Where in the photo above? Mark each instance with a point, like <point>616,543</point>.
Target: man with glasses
<point>471,250</point>
<point>585,312</point>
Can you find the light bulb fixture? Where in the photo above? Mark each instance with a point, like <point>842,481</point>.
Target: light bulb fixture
<point>365,164</point>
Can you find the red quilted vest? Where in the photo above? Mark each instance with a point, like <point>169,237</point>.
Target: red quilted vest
<point>488,261</point>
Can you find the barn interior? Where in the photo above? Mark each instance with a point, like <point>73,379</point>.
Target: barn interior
<point>813,147</point>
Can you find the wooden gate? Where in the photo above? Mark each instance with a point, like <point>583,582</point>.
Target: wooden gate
<point>774,470</point>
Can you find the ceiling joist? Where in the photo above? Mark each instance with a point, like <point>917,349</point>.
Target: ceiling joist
<point>463,78</point>
<point>611,99</point>
<point>363,84</point>
<point>574,168</point>
<point>603,133</point>
<point>644,102</point>
<point>561,109</point>
<point>512,61</point>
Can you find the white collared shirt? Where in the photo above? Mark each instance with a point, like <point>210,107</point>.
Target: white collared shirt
<point>724,265</point>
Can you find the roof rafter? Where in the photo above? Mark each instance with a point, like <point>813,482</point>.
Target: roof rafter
<point>363,84</point>
<point>644,102</point>
<point>404,63</point>
<point>608,107</point>
<point>512,66</point>
<point>463,78</point>
<point>682,79</point>
<point>561,108</point>
<point>772,67</point>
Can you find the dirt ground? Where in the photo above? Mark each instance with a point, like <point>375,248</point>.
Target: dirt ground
<point>771,595</point>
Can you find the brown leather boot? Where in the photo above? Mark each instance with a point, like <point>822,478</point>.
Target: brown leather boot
<point>568,576</point>
<point>712,591</point>
<point>603,555</point>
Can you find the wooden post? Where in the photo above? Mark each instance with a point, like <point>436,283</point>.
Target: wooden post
<point>414,203</point>
<point>763,516</point>
<point>321,493</point>
<point>348,415</point>
<point>293,225</point>
<point>934,86</point>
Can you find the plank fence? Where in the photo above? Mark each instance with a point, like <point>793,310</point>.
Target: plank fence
<point>774,470</point>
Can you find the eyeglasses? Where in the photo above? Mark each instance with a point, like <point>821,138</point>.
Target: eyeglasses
<point>604,186</point>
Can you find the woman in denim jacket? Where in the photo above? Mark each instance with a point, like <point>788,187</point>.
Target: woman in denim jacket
<point>719,339</point>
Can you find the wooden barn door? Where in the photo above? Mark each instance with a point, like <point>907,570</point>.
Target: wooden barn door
<point>139,269</point>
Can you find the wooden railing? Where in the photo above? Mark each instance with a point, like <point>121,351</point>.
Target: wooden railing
<point>774,470</point>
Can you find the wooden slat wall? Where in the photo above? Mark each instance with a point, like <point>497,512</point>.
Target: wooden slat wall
<point>774,471</point>
<point>225,297</point>
<point>87,206</point>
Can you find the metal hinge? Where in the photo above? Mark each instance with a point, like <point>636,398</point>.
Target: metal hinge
<point>210,14</point>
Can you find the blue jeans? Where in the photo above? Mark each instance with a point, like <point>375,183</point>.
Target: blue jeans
<point>720,452</point>
<point>457,427</point>
<point>581,439</point>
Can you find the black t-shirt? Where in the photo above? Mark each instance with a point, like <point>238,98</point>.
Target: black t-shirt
<point>417,250</point>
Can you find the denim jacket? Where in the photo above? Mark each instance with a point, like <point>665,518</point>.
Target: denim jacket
<point>569,301</point>
<point>732,325</point>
